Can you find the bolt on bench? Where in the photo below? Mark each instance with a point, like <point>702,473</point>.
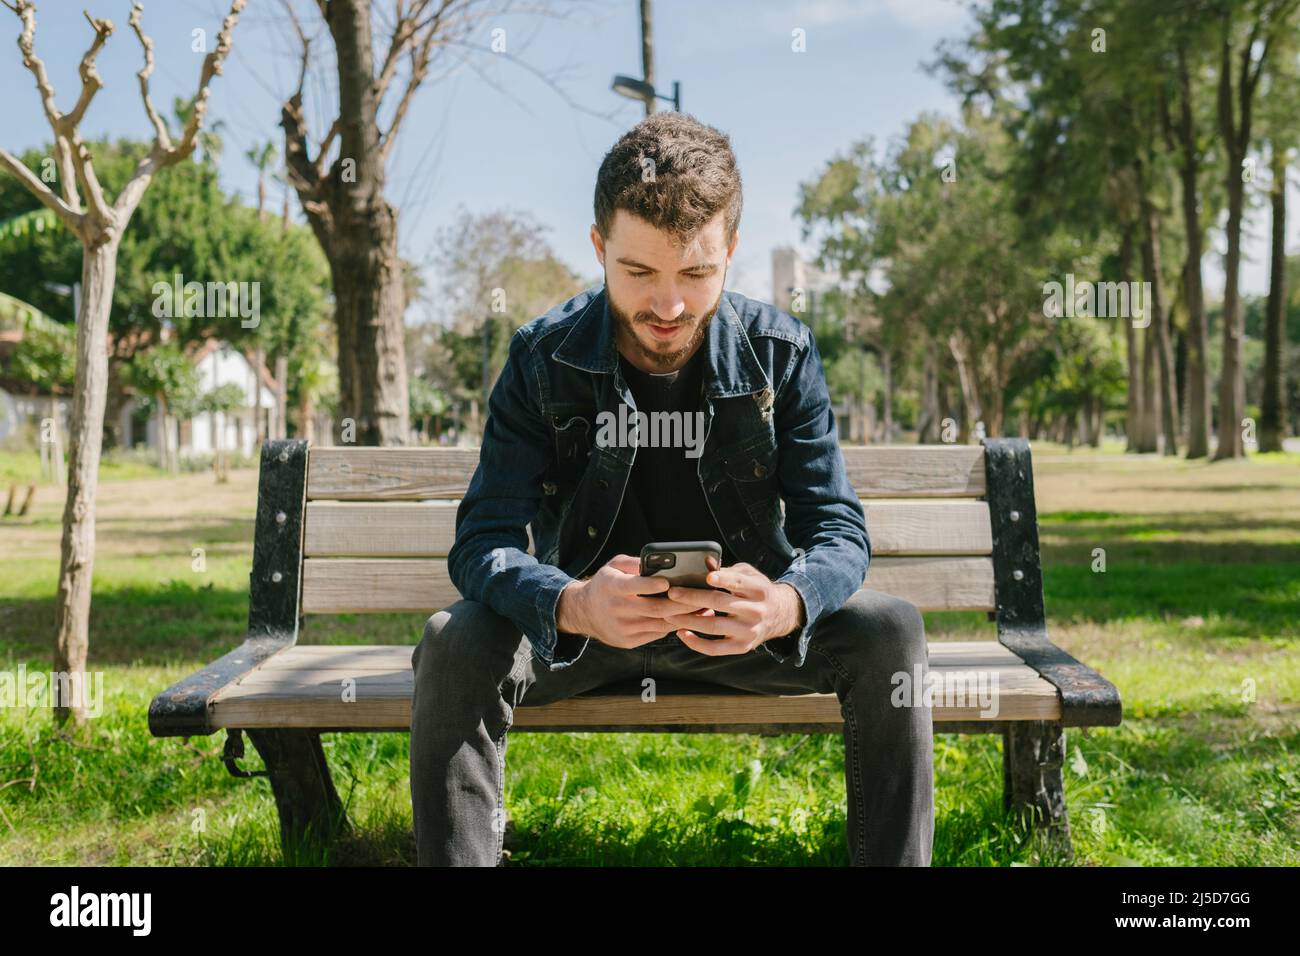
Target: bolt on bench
<point>347,530</point>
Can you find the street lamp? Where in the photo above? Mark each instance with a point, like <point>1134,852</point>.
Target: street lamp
<point>643,92</point>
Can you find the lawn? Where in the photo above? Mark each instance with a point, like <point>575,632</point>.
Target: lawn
<point>1194,617</point>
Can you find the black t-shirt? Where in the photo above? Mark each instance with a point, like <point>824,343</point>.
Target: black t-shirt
<point>664,500</point>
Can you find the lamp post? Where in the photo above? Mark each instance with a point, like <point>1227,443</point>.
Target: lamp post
<point>635,89</point>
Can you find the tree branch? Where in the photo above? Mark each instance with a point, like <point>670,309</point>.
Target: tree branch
<point>90,80</point>
<point>419,70</point>
<point>26,13</point>
<point>70,217</point>
<point>161,137</point>
<point>164,153</point>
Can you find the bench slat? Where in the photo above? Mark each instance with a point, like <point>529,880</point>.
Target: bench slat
<point>428,529</point>
<point>372,585</point>
<point>394,474</point>
<point>302,687</point>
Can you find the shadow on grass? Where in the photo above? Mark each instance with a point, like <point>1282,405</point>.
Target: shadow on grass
<point>177,620</point>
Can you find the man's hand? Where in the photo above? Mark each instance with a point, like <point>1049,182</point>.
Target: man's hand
<point>757,609</point>
<point>608,606</point>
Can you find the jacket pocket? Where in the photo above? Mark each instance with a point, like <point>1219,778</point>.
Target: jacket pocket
<point>573,440</point>
<point>751,468</point>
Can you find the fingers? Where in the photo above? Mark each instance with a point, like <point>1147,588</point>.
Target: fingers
<point>658,608</point>
<point>713,624</point>
<point>711,648</point>
<point>625,563</point>
<point>739,579</point>
<point>637,584</point>
<point>704,597</point>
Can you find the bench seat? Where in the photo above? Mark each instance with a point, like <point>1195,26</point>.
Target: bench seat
<point>303,686</point>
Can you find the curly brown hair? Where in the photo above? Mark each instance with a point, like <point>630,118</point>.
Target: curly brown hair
<point>674,172</point>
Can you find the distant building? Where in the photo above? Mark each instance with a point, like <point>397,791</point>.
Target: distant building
<point>791,273</point>
<point>21,406</point>
<point>218,363</point>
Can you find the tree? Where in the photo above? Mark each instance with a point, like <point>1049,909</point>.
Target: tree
<point>343,194</point>
<point>1264,23</point>
<point>220,401</point>
<point>263,157</point>
<point>185,226</point>
<point>83,207</point>
<point>1280,104</point>
<point>166,380</point>
<point>496,268</point>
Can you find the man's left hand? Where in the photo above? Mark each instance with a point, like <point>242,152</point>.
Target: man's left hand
<point>757,609</point>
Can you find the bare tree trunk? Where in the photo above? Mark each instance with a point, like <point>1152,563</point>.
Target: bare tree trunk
<point>1133,416</point>
<point>364,262</point>
<point>928,433</point>
<point>1198,335</point>
<point>1272,417</point>
<point>1166,423</point>
<point>1150,391</point>
<point>969,390</point>
<point>162,432</point>
<point>1235,139</point>
<point>282,396</point>
<point>306,418</point>
<point>259,363</point>
<point>887,400</point>
<point>77,560</point>
<point>647,53</point>
<point>372,364</point>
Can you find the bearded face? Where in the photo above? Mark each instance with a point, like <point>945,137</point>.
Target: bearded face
<point>662,295</point>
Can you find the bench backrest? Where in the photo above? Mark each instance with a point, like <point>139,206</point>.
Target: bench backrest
<point>952,527</point>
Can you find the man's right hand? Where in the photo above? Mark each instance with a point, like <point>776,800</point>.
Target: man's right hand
<point>608,606</point>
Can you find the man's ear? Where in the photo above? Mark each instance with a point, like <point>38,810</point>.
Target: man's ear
<point>598,243</point>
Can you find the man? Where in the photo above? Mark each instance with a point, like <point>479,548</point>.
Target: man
<point>753,462</point>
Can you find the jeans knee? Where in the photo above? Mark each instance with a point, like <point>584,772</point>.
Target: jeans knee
<point>463,637</point>
<point>895,627</point>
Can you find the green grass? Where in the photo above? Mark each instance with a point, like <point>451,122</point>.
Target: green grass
<point>1194,618</point>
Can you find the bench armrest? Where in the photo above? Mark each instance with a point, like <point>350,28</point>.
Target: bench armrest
<point>182,709</point>
<point>1087,698</point>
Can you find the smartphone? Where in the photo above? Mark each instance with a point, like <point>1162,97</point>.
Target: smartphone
<point>682,563</point>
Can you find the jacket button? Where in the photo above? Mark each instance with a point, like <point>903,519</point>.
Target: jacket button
<point>602,483</point>
<point>760,469</point>
<point>591,532</point>
<point>549,487</point>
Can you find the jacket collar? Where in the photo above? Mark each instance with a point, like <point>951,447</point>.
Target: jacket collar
<point>732,367</point>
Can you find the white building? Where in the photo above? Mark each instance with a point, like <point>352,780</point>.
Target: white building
<point>218,363</point>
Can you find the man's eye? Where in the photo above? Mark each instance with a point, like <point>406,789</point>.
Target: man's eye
<point>697,275</point>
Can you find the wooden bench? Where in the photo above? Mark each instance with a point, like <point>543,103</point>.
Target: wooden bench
<point>348,530</point>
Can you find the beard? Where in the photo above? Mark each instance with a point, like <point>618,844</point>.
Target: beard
<point>661,356</point>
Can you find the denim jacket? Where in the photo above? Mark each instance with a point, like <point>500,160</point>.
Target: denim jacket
<point>771,468</point>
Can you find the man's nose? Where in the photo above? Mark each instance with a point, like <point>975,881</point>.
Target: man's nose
<point>669,306</point>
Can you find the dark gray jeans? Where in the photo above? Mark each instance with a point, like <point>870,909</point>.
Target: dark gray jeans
<point>473,667</point>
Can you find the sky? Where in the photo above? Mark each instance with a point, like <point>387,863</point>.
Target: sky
<point>527,132</point>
